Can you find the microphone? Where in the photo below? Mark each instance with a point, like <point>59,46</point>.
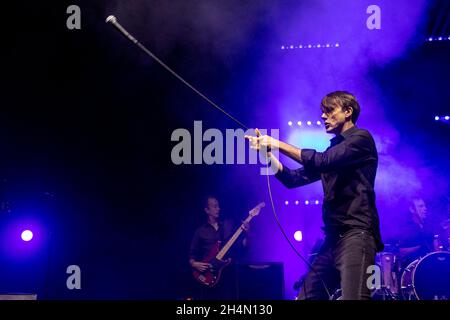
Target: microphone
<point>113,20</point>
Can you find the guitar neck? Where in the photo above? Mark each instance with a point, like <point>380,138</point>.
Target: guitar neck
<point>232,240</point>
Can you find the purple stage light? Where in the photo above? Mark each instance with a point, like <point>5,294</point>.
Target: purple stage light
<point>299,123</point>
<point>447,117</point>
<point>430,39</point>
<point>306,202</point>
<point>282,47</point>
<point>319,123</point>
<point>316,202</point>
<point>298,235</point>
<point>289,123</point>
<point>436,118</point>
<point>309,123</point>
<point>27,235</point>
<point>307,72</point>
<point>286,202</point>
<point>440,38</point>
<point>296,202</point>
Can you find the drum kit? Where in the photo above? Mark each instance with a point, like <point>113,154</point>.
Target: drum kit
<point>426,278</point>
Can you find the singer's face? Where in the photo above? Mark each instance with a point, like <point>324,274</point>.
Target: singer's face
<point>334,119</point>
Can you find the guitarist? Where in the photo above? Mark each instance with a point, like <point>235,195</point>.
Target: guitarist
<point>205,238</point>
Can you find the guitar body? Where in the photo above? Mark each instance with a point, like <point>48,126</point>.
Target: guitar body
<point>211,276</point>
<point>215,257</point>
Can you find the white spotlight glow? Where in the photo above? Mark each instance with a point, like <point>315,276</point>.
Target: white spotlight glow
<point>296,202</point>
<point>319,123</point>
<point>26,235</point>
<point>290,123</point>
<point>447,117</point>
<point>309,123</point>
<point>316,202</point>
<point>299,123</point>
<point>306,202</point>
<point>436,118</point>
<point>286,202</point>
<point>298,236</point>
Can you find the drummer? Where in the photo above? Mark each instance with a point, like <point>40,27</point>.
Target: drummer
<point>416,238</point>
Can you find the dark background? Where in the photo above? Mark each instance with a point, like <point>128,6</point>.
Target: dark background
<point>85,137</point>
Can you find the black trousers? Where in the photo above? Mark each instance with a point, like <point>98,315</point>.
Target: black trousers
<point>342,261</point>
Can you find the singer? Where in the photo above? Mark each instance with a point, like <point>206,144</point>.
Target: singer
<point>347,170</point>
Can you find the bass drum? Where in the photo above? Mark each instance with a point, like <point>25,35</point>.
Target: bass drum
<point>427,278</point>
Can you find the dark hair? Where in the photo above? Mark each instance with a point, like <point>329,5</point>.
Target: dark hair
<point>343,99</point>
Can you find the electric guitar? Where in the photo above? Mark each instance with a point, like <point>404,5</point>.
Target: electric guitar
<point>211,276</point>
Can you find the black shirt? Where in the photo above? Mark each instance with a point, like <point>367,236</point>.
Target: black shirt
<point>347,170</point>
<point>206,237</point>
<point>413,235</point>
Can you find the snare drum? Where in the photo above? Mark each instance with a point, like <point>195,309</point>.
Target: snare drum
<point>427,278</point>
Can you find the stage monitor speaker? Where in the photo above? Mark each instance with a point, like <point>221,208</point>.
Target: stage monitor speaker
<point>260,281</point>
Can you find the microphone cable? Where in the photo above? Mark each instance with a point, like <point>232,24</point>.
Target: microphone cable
<point>113,21</point>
